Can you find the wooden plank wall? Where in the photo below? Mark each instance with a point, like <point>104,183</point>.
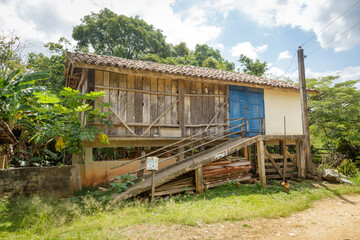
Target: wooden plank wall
<point>141,100</point>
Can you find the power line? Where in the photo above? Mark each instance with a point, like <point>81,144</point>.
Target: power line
<point>316,34</point>
<point>333,39</point>
<point>289,64</point>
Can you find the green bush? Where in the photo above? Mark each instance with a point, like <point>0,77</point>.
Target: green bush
<point>348,168</point>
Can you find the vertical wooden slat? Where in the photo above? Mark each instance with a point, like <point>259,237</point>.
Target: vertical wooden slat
<point>130,117</point>
<point>161,100</point>
<point>199,182</point>
<point>261,161</point>
<point>114,82</point>
<point>154,105</point>
<point>138,104</point>
<point>174,112</point>
<point>222,115</point>
<point>106,98</point>
<point>300,158</point>
<point>187,112</point>
<point>211,108</point>
<point>284,150</point>
<point>168,101</point>
<point>122,102</point>
<point>206,117</point>
<point>98,78</point>
<point>146,101</point>
<point>181,107</point>
<point>227,108</point>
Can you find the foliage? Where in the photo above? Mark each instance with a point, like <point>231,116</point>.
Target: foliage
<point>66,118</point>
<point>348,168</point>
<point>15,95</point>
<point>117,35</point>
<point>252,67</point>
<point>334,115</point>
<point>181,50</point>
<point>11,48</point>
<point>54,64</point>
<point>46,218</point>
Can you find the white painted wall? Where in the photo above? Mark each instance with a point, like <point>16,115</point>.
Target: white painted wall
<point>279,104</point>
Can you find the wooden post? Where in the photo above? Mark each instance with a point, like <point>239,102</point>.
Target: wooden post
<point>261,161</point>
<point>182,155</point>
<point>304,110</point>
<point>199,182</point>
<point>76,160</point>
<point>3,162</point>
<point>300,158</point>
<point>153,187</point>
<point>88,166</point>
<point>284,149</point>
<point>181,107</point>
<point>140,174</point>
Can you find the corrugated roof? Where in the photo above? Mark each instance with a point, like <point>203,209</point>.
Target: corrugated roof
<point>6,136</point>
<point>189,71</point>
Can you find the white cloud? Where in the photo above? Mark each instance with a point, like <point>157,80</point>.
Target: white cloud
<point>307,15</point>
<point>349,73</point>
<point>41,21</point>
<point>284,55</point>
<point>248,50</point>
<point>275,71</point>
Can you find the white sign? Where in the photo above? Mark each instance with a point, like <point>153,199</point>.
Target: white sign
<point>152,163</point>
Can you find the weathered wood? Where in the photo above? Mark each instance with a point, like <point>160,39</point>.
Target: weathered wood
<point>205,104</point>
<point>284,151</point>
<point>268,156</point>
<point>168,89</point>
<point>174,110</point>
<point>3,162</point>
<point>261,161</point>
<point>130,116</point>
<point>140,174</point>
<point>161,115</point>
<point>83,77</point>
<point>138,104</point>
<point>114,94</point>
<point>176,76</point>
<point>122,121</point>
<point>122,102</point>
<point>161,99</point>
<point>215,116</point>
<point>153,186</point>
<point>304,111</point>
<point>152,92</point>
<point>300,158</point>
<point>181,107</point>
<point>199,181</point>
<point>106,98</point>
<point>187,112</point>
<point>293,160</point>
<point>154,106</point>
<point>181,155</point>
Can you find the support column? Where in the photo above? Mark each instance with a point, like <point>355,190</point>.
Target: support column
<point>76,161</point>
<point>261,161</point>
<point>140,174</point>
<point>88,166</point>
<point>300,158</point>
<point>199,181</point>
<point>284,150</point>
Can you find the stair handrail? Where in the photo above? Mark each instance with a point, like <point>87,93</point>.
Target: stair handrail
<point>186,139</point>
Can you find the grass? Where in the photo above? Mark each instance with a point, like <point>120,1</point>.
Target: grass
<point>43,218</point>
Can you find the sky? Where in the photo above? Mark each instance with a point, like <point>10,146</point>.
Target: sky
<point>268,30</point>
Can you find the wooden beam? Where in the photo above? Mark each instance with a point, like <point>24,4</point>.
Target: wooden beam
<point>121,120</point>
<point>261,161</point>
<point>284,151</point>
<point>216,114</point>
<point>300,158</point>
<point>83,73</point>
<point>157,119</point>
<point>176,76</point>
<point>199,181</point>
<point>268,156</point>
<point>181,107</point>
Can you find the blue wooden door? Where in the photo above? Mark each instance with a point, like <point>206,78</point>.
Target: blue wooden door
<point>249,104</point>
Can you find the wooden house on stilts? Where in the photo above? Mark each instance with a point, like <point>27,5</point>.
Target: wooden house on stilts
<point>206,126</point>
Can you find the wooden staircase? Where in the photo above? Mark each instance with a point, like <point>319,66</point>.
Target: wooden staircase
<point>188,164</point>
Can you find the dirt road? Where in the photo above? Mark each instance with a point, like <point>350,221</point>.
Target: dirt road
<point>337,218</point>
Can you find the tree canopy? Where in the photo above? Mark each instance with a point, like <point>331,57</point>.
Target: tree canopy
<point>335,115</point>
<point>117,35</point>
<point>252,67</point>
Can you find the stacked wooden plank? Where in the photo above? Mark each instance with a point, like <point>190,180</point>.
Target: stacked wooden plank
<point>180,184</point>
<point>227,169</point>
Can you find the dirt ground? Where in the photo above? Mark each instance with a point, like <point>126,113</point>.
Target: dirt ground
<point>337,218</point>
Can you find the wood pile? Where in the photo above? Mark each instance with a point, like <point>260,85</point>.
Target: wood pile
<point>180,184</point>
<point>227,169</point>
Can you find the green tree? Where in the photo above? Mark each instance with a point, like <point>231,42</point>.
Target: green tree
<point>252,67</point>
<point>54,64</point>
<point>181,50</point>
<point>335,115</point>
<point>117,35</point>
<point>11,48</point>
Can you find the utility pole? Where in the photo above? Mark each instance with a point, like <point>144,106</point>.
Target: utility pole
<point>304,110</point>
